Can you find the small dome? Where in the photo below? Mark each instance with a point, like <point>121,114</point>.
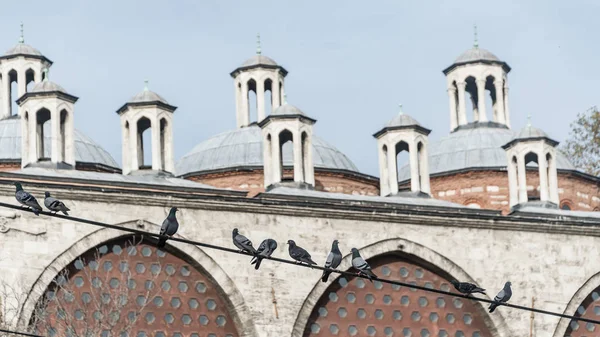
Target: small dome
<point>402,120</point>
<point>530,132</point>
<point>47,86</point>
<point>476,54</point>
<point>23,49</point>
<point>287,109</point>
<point>244,148</point>
<point>259,60</point>
<point>147,96</point>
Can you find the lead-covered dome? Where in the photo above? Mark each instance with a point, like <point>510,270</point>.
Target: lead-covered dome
<point>242,148</point>
<point>259,60</point>
<point>476,54</point>
<point>86,150</point>
<point>47,86</point>
<point>23,49</point>
<point>473,148</point>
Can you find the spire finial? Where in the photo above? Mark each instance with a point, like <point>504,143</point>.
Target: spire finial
<point>529,120</point>
<point>400,109</point>
<point>46,71</point>
<point>145,85</point>
<point>284,98</point>
<point>22,37</point>
<point>475,42</point>
<point>258,50</point>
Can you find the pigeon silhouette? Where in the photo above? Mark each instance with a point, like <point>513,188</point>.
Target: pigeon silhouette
<point>266,248</point>
<point>467,288</point>
<point>26,199</point>
<point>242,242</point>
<point>503,296</point>
<point>361,265</point>
<point>55,205</point>
<point>333,260</point>
<point>169,227</point>
<point>299,254</point>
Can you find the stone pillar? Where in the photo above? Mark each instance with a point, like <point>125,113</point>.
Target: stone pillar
<point>513,184</point>
<point>155,150</point>
<point>37,76</point>
<point>392,170</point>
<point>424,170</point>
<point>462,107</point>
<point>6,99</point>
<point>267,160</point>
<point>481,101</point>
<point>453,112</point>
<point>56,139</point>
<point>245,112</point>
<point>169,148</point>
<point>298,167</point>
<point>384,183</point>
<point>133,146</point>
<point>260,100</point>
<point>309,169</point>
<point>33,137</point>
<point>126,146</point>
<point>543,174</point>
<point>238,103</point>
<point>275,99</point>
<point>522,178</point>
<point>21,84</point>
<point>552,180</point>
<point>506,110</point>
<point>415,185</point>
<point>500,102</point>
<point>276,154</point>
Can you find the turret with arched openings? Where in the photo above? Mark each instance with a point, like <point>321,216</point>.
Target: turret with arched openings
<point>478,73</point>
<point>532,145</point>
<point>47,102</point>
<point>288,123</point>
<point>22,64</point>
<point>261,75</point>
<point>403,133</point>
<point>147,110</point>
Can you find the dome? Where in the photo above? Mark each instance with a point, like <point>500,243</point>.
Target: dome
<point>531,132</point>
<point>287,109</point>
<point>402,120</point>
<point>476,54</point>
<point>86,150</point>
<point>243,147</point>
<point>479,147</point>
<point>147,96</point>
<point>23,49</point>
<point>47,86</point>
<point>259,60</point>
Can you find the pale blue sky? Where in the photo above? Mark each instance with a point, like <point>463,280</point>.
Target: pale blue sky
<point>350,62</point>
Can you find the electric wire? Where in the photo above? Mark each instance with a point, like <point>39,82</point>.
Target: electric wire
<point>19,333</point>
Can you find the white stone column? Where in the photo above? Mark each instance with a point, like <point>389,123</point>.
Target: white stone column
<point>275,95</point>
<point>134,158</point>
<point>500,102</point>
<point>462,104</point>
<point>238,103</point>
<point>6,99</point>
<point>415,185</point>
<point>37,76</point>
<point>69,139</point>
<point>298,167</point>
<point>309,169</point>
<point>276,154</point>
<point>506,110</point>
<point>552,180</point>
<point>56,139</point>
<point>424,170</point>
<point>481,101</point>
<point>21,84</point>
<point>260,100</point>
<point>267,159</point>
<point>169,147</point>
<point>522,178</point>
<point>155,150</point>
<point>543,175</point>
<point>453,112</point>
<point>126,146</point>
<point>245,113</point>
<point>392,169</point>
<point>384,183</point>
<point>24,141</point>
<point>33,137</point>
<point>513,184</point>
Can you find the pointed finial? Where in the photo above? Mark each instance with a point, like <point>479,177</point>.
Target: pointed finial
<point>284,98</point>
<point>145,85</point>
<point>400,109</point>
<point>22,38</point>
<point>258,50</point>
<point>46,71</point>
<point>475,43</point>
<point>529,120</point>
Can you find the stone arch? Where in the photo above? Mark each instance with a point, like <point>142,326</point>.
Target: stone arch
<point>43,133</point>
<point>471,90</point>
<point>252,100</point>
<point>530,158</point>
<point>429,258</point>
<point>473,203</point>
<point>268,99</point>
<point>566,204</point>
<point>29,78</point>
<point>144,124</point>
<point>285,137</point>
<point>13,91</point>
<point>165,138</point>
<point>584,297</point>
<point>234,301</point>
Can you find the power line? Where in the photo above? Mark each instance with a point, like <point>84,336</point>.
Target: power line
<point>20,333</point>
<point>342,272</point>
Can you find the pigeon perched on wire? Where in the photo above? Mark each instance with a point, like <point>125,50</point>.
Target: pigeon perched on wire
<point>27,199</point>
<point>299,254</point>
<point>242,242</point>
<point>503,296</point>
<point>169,227</point>
<point>266,248</point>
<point>55,205</point>
<point>361,265</point>
<point>333,260</point>
<point>467,288</point>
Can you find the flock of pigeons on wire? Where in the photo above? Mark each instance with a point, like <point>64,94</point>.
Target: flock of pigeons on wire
<point>170,226</point>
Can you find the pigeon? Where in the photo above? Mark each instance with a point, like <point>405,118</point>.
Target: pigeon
<point>333,260</point>
<point>503,296</point>
<point>55,205</point>
<point>299,254</point>
<point>242,242</point>
<point>266,248</point>
<point>169,227</point>
<point>361,265</point>
<point>467,288</point>
<point>27,199</point>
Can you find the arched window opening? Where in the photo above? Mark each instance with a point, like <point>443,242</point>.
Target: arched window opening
<point>286,148</point>
<point>144,143</point>
<point>456,103</point>
<point>13,92</point>
<point>64,116</point>
<point>587,309</point>
<point>164,138</point>
<point>472,205</point>
<point>29,79</point>
<point>252,101</point>
<point>532,176</point>
<point>566,205</point>
<point>471,99</point>
<point>268,97</point>
<point>44,140</point>
<point>490,98</point>
<point>305,145</point>
<point>402,157</point>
